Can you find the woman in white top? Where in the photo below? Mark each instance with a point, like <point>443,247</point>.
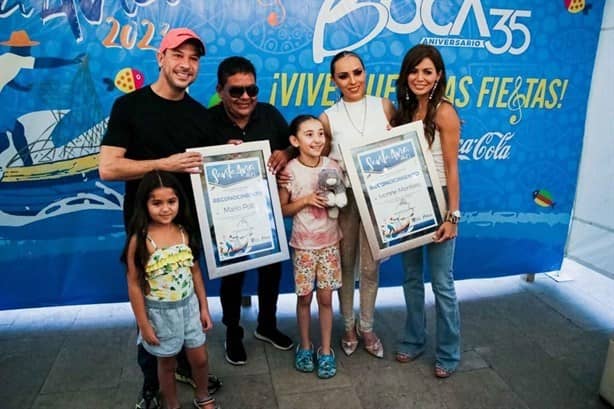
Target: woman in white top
<point>355,117</point>
<point>421,96</point>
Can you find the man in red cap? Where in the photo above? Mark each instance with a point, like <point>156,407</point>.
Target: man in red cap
<point>149,129</point>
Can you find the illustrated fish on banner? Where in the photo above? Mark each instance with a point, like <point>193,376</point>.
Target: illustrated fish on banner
<point>126,80</point>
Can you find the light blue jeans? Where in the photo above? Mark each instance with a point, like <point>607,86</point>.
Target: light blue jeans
<point>440,257</point>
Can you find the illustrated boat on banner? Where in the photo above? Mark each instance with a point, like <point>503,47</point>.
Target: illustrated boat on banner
<point>52,169</point>
<point>62,177</point>
<point>77,157</point>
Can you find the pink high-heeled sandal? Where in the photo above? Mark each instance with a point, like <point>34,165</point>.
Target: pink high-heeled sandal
<point>349,347</point>
<point>375,348</point>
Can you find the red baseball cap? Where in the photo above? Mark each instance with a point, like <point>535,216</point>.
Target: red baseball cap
<point>177,36</point>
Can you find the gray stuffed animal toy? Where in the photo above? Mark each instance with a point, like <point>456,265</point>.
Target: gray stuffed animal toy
<point>330,183</point>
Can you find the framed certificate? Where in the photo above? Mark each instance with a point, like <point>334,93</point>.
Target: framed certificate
<point>397,190</point>
<point>238,209</point>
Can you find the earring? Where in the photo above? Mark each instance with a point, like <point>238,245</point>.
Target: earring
<point>433,89</point>
<point>407,97</point>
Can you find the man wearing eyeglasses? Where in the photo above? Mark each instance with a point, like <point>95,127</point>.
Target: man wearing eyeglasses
<point>241,118</point>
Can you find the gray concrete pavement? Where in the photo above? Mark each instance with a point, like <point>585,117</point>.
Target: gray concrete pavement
<point>537,345</point>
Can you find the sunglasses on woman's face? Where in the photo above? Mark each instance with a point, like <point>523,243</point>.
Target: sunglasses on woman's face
<point>237,92</point>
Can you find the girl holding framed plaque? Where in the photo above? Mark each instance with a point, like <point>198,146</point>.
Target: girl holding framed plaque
<point>355,117</point>
<point>421,96</point>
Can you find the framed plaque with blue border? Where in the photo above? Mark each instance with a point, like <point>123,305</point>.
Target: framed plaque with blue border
<point>238,209</point>
<point>397,191</point>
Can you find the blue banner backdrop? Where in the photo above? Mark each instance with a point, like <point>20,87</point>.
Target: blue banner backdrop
<point>519,74</point>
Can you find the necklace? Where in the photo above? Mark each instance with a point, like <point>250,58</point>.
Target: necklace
<point>360,130</point>
<point>309,166</point>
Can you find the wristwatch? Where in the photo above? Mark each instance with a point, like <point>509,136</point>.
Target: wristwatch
<point>453,217</point>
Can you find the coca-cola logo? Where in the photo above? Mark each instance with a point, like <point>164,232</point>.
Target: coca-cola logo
<point>490,146</point>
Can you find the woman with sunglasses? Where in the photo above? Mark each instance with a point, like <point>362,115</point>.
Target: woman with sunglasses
<point>354,117</point>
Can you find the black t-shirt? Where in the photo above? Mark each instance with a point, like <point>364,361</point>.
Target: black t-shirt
<point>265,123</point>
<point>151,127</point>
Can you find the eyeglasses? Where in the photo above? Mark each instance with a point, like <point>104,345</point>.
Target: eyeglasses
<point>345,75</point>
<point>237,92</point>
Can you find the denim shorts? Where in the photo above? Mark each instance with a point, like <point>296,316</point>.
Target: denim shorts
<point>176,324</point>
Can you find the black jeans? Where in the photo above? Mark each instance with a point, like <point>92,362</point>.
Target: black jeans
<point>149,367</point>
<point>231,292</point>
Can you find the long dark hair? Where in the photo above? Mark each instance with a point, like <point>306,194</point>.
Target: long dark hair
<point>139,222</point>
<point>407,107</point>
